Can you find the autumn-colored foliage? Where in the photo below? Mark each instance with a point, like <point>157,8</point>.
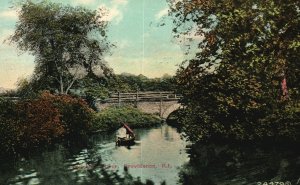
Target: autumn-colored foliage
<point>44,120</point>
<point>75,114</point>
<point>41,120</point>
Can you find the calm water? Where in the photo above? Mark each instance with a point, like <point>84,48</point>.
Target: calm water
<point>158,155</point>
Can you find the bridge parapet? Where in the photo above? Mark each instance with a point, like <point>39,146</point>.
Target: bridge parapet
<point>142,96</point>
<point>160,103</point>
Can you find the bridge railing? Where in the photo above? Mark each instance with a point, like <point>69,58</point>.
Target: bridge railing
<point>143,96</point>
<point>132,96</point>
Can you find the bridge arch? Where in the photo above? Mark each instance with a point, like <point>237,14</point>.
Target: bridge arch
<point>170,109</point>
<point>160,103</point>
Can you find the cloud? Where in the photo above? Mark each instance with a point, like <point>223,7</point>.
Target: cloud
<point>85,2</point>
<point>111,14</point>
<point>113,11</point>
<point>9,14</point>
<point>14,68</point>
<point>162,13</point>
<point>13,65</point>
<point>146,35</point>
<point>4,36</point>
<point>123,44</point>
<point>120,2</point>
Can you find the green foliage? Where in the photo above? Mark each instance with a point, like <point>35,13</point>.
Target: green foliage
<point>25,88</point>
<point>99,88</point>
<point>9,133</point>
<point>68,43</point>
<point>232,88</point>
<point>112,118</point>
<point>282,124</point>
<point>97,92</point>
<point>210,162</point>
<point>131,83</point>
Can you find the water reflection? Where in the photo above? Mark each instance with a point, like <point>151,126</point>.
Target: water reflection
<point>157,155</point>
<point>160,154</point>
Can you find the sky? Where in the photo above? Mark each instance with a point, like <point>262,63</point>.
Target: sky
<point>143,45</point>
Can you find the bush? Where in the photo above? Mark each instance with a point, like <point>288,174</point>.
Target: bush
<point>75,114</point>
<point>9,132</point>
<point>42,121</point>
<point>282,124</point>
<point>111,118</point>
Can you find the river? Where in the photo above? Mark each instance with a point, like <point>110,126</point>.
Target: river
<point>160,154</point>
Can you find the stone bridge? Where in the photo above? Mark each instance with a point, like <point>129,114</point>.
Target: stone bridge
<point>159,103</point>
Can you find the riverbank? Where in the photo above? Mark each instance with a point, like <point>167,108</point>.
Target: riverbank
<point>264,133</point>
<point>47,119</point>
<point>223,161</point>
<point>241,164</point>
<point>101,161</point>
<point>112,119</point>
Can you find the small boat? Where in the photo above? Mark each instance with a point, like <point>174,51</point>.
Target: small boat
<point>128,139</point>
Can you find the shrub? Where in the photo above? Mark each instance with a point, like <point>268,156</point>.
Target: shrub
<point>282,124</point>
<point>111,118</point>
<point>42,121</point>
<point>9,132</point>
<point>75,114</point>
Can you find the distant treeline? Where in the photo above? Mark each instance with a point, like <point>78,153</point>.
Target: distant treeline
<point>96,87</point>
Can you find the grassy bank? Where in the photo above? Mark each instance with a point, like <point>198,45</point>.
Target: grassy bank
<point>111,119</point>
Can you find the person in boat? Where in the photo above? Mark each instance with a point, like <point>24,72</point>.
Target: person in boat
<point>125,132</point>
<point>121,132</point>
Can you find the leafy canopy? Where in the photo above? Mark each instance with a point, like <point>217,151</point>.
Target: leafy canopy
<point>232,86</point>
<point>68,42</point>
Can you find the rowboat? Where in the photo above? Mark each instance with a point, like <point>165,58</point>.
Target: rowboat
<point>125,141</point>
<point>128,139</point>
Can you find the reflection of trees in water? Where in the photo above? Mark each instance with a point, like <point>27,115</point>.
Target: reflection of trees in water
<point>63,167</point>
<point>168,133</point>
<point>216,165</point>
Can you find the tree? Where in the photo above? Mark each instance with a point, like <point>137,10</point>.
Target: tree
<point>232,86</point>
<point>68,42</point>
<point>24,88</point>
